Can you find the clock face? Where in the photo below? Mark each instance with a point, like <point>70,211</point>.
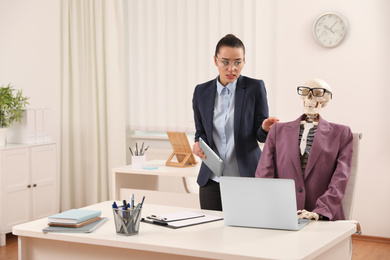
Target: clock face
<point>330,29</point>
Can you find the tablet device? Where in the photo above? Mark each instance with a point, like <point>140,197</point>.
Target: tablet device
<point>212,159</point>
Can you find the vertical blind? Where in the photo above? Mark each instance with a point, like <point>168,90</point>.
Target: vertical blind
<point>170,46</point>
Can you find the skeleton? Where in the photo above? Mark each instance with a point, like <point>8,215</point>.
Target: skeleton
<point>316,94</point>
<point>307,214</point>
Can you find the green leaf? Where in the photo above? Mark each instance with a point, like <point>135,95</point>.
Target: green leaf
<point>11,106</point>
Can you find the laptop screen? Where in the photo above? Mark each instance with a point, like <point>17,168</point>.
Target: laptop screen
<point>259,202</point>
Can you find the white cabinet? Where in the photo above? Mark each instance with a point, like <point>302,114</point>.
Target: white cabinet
<point>28,183</point>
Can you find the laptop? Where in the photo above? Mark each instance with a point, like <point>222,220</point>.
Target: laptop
<point>260,203</point>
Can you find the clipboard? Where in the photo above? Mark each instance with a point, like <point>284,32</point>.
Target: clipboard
<point>176,216</point>
<point>173,222</point>
<point>212,159</point>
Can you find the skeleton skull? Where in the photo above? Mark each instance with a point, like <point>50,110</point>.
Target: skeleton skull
<point>311,93</point>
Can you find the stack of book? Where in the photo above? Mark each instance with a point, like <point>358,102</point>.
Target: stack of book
<point>74,220</point>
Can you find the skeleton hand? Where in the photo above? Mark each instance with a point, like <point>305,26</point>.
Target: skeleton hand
<point>307,214</point>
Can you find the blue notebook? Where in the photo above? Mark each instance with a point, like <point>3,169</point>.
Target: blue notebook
<point>74,216</point>
<point>84,229</point>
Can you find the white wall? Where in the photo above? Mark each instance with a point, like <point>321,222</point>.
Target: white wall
<point>358,73</point>
<point>30,53</point>
<point>357,70</point>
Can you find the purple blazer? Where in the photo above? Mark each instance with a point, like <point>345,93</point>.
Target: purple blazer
<point>322,187</point>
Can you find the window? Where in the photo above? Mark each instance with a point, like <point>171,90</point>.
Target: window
<point>170,46</point>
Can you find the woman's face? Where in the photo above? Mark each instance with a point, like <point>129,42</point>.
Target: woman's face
<point>230,61</point>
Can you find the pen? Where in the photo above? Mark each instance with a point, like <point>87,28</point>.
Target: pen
<point>131,151</point>
<point>160,223</point>
<point>119,218</point>
<point>134,216</point>
<point>132,201</point>
<point>142,202</point>
<point>136,149</point>
<point>142,147</point>
<point>155,222</point>
<point>145,150</point>
<point>157,218</point>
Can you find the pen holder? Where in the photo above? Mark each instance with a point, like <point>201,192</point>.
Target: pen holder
<point>127,221</point>
<point>138,162</point>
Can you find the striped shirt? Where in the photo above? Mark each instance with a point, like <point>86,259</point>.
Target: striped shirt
<point>309,143</point>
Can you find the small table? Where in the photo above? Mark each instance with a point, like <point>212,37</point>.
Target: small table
<point>146,179</point>
<point>214,240</point>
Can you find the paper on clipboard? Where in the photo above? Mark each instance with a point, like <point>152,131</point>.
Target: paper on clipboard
<point>212,159</point>
<point>194,221</point>
<point>188,218</point>
<point>179,215</point>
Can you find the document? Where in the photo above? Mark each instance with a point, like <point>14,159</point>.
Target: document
<point>175,216</point>
<point>180,219</point>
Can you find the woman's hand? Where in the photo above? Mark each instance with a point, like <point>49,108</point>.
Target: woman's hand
<point>269,123</point>
<point>197,151</point>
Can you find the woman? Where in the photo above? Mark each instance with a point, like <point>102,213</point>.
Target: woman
<point>231,116</point>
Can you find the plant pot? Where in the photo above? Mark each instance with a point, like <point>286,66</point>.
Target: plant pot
<point>3,136</point>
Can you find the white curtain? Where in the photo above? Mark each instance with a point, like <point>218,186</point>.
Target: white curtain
<point>171,44</point>
<point>92,109</point>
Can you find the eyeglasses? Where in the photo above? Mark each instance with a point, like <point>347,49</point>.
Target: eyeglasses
<point>226,63</point>
<point>316,92</point>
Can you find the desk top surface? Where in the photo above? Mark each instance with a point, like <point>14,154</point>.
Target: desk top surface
<point>211,240</point>
<point>161,169</point>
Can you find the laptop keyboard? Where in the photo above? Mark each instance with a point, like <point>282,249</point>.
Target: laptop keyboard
<point>302,221</point>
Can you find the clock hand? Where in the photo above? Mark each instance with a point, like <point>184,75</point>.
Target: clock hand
<point>332,26</point>
<point>327,28</point>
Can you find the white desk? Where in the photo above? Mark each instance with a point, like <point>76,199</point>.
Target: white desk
<point>147,180</point>
<point>319,240</point>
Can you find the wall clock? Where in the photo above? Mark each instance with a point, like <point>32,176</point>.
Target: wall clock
<point>330,29</point>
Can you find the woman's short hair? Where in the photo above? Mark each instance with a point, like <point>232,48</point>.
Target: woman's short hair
<point>229,40</point>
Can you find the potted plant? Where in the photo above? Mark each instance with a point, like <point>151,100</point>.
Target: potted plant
<point>12,105</point>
